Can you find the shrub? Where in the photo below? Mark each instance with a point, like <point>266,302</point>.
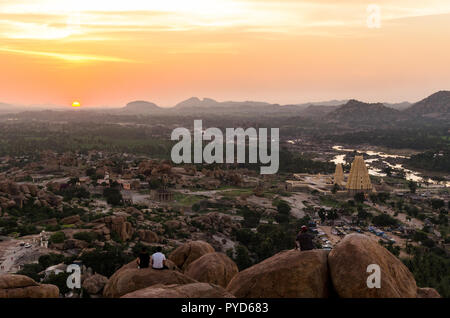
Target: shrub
<point>57,237</point>
<point>243,259</point>
<point>51,259</point>
<point>107,261</point>
<point>251,218</point>
<point>59,280</point>
<point>32,271</point>
<point>384,220</point>
<point>86,236</point>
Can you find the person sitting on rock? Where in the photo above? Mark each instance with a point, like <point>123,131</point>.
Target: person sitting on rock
<point>304,240</point>
<point>158,260</point>
<point>143,260</point>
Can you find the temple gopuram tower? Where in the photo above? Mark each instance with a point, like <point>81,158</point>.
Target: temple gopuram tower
<point>359,180</point>
<point>339,175</point>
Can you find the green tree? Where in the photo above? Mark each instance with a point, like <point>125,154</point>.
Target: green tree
<point>384,220</point>
<point>106,261</point>
<point>284,210</point>
<point>32,271</point>
<point>437,203</point>
<point>335,188</point>
<point>86,236</point>
<point>59,280</point>
<point>113,196</point>
<point>50,259</point>
<point>412,186</point>
<point>243,259</point>
<point>251,218</point>
<point>57,237</point>
<point>359,197</point>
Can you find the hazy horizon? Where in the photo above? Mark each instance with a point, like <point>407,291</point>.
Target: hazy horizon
<point>317,102</point>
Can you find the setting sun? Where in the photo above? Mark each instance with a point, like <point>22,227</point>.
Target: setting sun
<point>76,104</point>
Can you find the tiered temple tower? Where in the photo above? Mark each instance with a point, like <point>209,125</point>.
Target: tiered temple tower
<point>339,175</point>
<point>359,180</point>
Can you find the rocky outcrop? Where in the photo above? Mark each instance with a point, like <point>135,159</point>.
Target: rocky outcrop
<point>348,263</point>
<point>216,222</point>
<point>288,274</point>
<point>174,225</point>
<point>49,222</point>
<point>129,278</point>
<point>13,194</point>
<point>189,252</point>
<point>118,225</point>
<point>19,286</point>
<point>94,284</point>
<point>148,236</point>
<point>71,219</point>
<point>427,293</point>
<point>135,213</point>
<point>103,230</point>
<point>214,268</point>
<point>195,290</point>
<point>71,244</point>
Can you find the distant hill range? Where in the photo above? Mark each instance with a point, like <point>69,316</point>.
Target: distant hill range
<point>140,108</point>
<point>434,106</point>
<point>358,112</point>
<point>317,111</point>
<point>346,112</point>
<point>13,109</point>
<point>398,106</point>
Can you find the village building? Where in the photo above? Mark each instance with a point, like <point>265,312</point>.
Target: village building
<point>161,195</point>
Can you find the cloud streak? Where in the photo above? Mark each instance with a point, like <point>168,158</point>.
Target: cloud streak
<point>69,57</point>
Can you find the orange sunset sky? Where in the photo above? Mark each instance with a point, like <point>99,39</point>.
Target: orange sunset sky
<point>108,53</point>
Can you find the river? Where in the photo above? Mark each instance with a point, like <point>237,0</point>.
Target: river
<point>409,174</point>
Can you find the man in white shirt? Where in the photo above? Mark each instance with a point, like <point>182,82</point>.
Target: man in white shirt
<point>158,260</point>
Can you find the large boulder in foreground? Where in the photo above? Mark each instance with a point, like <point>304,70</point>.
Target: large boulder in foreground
<point>129,278</point>
<point>189,252</point>
<point>348,263</point>
<point>427,293</point>
<point>19,286</point>
<point>195,290</point>
<point>288,274</point>
<point>214,268</point>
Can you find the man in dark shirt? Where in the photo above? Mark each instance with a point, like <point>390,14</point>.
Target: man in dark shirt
<point>304,240</point>
<point>144,259</point>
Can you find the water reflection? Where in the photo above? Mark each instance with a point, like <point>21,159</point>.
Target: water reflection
<point>409,174</point>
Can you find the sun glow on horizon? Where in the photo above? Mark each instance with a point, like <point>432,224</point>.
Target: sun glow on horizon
<point>76,104</point>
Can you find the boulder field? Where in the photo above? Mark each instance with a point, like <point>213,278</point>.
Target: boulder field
<point>201,272</point>
<point>288,274</point>
<point>129,278</point>
<point>214,268</point>
<point>197,271</point>
<point>189,252</point>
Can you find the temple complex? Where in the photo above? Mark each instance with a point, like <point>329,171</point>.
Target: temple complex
<point>339,175</point>
<point>358,179</point>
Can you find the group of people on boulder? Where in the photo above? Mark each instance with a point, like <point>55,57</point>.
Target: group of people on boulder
<point>156,261</point>
<point>303,242</point>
